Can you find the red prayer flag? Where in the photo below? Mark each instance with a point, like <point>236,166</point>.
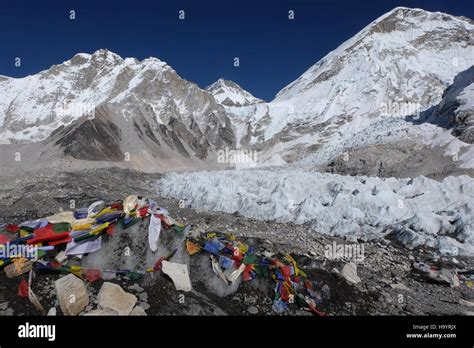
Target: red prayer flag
<point>44,231</point>
<point>23,289</point>
<point>110,230</point>
<point>93,274</point>
<point>12,228</point>
<point>3,239</point>
<point>48,237</point>
<point>285,271</point>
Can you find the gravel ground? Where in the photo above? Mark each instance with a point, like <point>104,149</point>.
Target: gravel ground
<point>399,160</point>
<point>388,285</point>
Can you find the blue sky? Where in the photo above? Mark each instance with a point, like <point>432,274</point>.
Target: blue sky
<point>272,49</point>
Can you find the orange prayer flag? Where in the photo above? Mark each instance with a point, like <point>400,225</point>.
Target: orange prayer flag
<point>192,248</point>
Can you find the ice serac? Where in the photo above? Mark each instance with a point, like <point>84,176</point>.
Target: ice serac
<point>229,93</point>
<point>360,93</point>
<point>418,211</point>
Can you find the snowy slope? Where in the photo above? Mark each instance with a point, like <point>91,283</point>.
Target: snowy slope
<point>417,211</point>
<point>229,93</point>
<point>397,66</point>
<point>32,107</point>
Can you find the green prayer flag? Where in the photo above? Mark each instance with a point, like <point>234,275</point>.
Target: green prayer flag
<point>62,227</point>
<point>249,259</point>
<point>134,276</point>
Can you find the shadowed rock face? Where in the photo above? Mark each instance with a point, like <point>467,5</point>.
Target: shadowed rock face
<point>97,139</point>
<point>457,106</point>
<point>455,111</point>
<point>466,129</point>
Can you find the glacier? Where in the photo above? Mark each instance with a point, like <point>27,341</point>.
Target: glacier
<point>416,212</point>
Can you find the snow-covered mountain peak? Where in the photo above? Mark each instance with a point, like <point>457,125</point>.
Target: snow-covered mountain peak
<point>389,42</point>
<point>155,63</point>
<point>106,55</point>
<point>403,18</point>
<point>360,93</point>
<point>31,108</point>
<point>397,66</point>
<point>229,93</point>
<point>103,58</point>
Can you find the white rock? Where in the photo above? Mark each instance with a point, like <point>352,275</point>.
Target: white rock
<point>15,269</point>
<point>449,277</point>
<point>252,310</point>
<point>143,296</point>
<point>267,254</point>
<point>466,303</point>
<point>145,306</point>
<point>52,311</point>
<point>113,297</point>
<point>349,271</point>
<point>138,311</point>
<point>65,216</point>
<point>72,294</point>
<point>136,287</point>
<point>101,312</point>
<point>178,273</point>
